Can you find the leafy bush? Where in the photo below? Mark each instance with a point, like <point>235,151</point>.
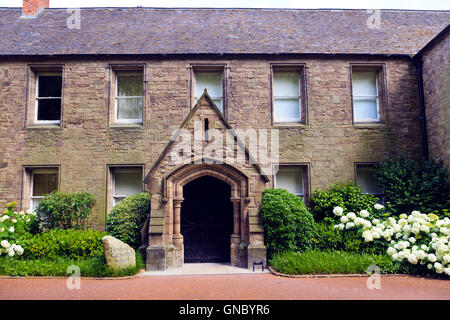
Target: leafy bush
<point>287,223</point>
<point>70,243</point>
<point>330,238</point>
<point>347,196</point>
<point>421,240</point>
<point>127,218</point>
<point>408,185</point>
<point>65,210</point>
<point>335,262</point>
<point>14,230</point>
<point>89,267</point>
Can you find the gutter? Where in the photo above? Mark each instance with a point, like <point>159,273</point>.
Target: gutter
<point>423,119</point>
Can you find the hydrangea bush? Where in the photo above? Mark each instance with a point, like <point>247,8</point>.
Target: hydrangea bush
<point>416,238</point>
<point>13,225</point>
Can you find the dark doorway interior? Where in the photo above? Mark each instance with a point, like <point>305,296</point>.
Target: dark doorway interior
<point>206,220</point>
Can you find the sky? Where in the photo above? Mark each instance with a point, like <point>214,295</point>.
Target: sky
<point>314,4</point>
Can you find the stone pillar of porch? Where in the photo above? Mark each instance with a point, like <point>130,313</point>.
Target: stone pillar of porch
<point>177,238</point>
<point>235,237</point>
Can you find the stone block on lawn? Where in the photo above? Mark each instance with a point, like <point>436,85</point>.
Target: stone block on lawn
<point>118,254</point>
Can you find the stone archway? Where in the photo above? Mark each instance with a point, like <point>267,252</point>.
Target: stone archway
<point>238,183</point>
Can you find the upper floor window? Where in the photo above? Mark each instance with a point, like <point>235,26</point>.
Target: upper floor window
<point>366,102</point>
<point>129,97</point>
<point>212,82</point>
<point>286,96</point>
<point>48,98</point>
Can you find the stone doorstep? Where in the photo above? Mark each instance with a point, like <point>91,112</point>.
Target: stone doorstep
<point>205,269</point>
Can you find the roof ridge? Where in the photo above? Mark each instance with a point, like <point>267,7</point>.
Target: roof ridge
<point>230,8</point>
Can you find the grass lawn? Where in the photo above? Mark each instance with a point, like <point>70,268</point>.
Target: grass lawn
<point>89,267</point>
<point>333,262</point>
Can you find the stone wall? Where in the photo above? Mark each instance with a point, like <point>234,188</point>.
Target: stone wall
<point>85,143</point>
<point>436,78</point>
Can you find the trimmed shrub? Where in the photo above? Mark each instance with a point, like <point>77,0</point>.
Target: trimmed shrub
<point>127,218</point>
<point>65,210</point>
<point>347,196</point>
<point>287,223</point>
<point>408,185</point>
<point>70,243</point>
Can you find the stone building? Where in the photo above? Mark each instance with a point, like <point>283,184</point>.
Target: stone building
<point>112,101</point>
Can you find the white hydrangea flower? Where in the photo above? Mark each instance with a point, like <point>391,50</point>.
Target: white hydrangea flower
<point>338,211</point>
<point>11,229</point>
<point>351,215</point>
<point>378,206</point>
<point>364,213</point>
<point>432,257</point>
<point>344,219</point>
<point>5,244</point>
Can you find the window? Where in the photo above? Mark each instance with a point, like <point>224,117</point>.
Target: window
<point>212,82</point>
<point>292,178</point>
<point>365,179</point>
<point>43,182</point>
<point>48,98</point>
<point>286,96</point>
<point>126,181</point>
<point>128,97</point>
<point>365,96</point>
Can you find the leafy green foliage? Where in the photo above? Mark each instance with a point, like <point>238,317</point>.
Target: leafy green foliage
<point>347,196</point>
<point>408,185</point>
<point>329,238</point>
<point>323,262</point>
<point>127,218</point>
<point>70,243</point>
<point>15,226</point>
<point>89,267</point>
<point>287,223</point>
<point>65,210</point>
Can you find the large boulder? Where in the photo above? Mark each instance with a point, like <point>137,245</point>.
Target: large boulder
<point>118,254</point>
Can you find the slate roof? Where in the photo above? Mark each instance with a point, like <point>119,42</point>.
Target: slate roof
<point>217,31</point>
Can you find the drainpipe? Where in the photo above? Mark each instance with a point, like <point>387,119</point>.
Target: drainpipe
<point>423,120</point>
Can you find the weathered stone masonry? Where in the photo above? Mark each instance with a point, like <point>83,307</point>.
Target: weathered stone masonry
<point>85,143</point>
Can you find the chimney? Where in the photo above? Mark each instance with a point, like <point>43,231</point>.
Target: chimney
<point>33,7</point>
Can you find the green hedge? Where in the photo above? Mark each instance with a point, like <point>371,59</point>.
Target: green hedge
<point>127,218</point>
<point>69,243</point>
<point>64,210</point>
<point>335,262</point>
<point>287,223</point>
<point>347,196</point>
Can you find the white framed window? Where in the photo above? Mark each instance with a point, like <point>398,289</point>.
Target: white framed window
<point>212,82</point>
<point>291,178</point>
<point>48,98</point>
<point>128,97</point>
<point>365,96</point>
<point>43,182</point>
<point>126,182</point>
<point>286,96</point>
<point>365,178</point>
